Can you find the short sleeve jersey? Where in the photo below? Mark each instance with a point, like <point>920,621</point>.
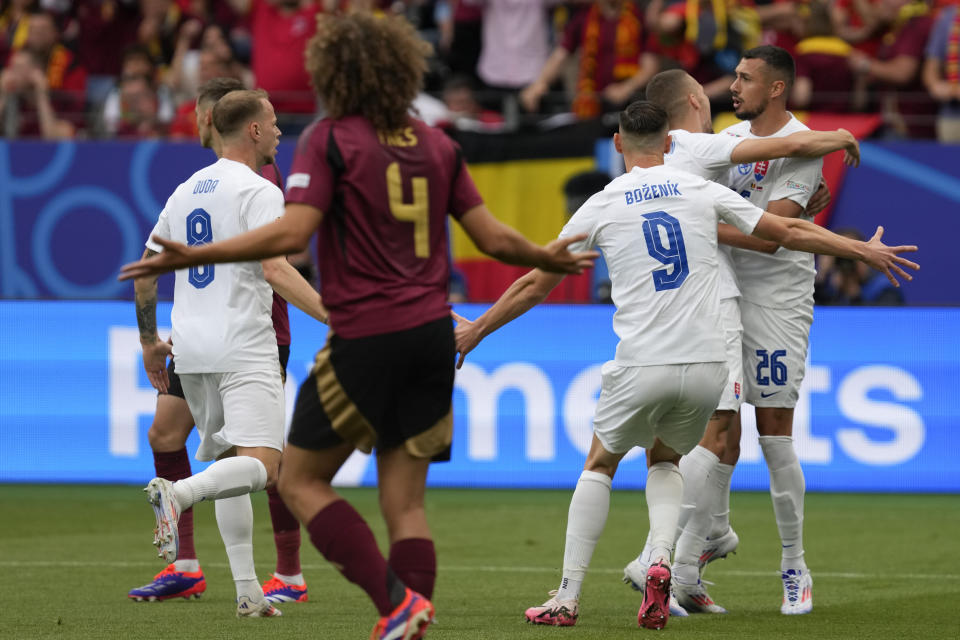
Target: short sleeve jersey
<point>383,245</point>
<point>657,229</point>
<point>221,313</point>
<point>707,155</point>
<point>784,279</point>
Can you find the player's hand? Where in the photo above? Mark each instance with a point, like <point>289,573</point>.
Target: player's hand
<point>819,200</point>
<point>851,155</point>
<point>886,259</point>
<point>559,259</point>
<point>155,363</point>
<point>174,256</point>
<point>466,335</point>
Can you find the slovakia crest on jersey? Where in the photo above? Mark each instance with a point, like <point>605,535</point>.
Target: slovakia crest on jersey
<point>736,390</point>
<point>760,170</point>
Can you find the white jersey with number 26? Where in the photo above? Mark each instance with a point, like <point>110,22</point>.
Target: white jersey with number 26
<point>221,313</point>
<point>657,229</point>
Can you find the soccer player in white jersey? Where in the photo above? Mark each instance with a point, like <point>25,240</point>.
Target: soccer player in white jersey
<point>224,342</point>
<point>657,229</point>
<point>776,302</point>
<point>696,149</point>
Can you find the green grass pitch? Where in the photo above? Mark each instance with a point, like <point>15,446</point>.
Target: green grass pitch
<point>883,566</point>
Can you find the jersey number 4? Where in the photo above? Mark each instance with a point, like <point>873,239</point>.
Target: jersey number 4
<point>665,243</point>
<point>417,212</point>
<point>200,231</point>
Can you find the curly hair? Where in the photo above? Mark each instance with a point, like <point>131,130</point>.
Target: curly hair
<point>368,66</point>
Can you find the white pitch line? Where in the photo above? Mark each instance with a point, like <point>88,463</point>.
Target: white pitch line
<point>467,569</point>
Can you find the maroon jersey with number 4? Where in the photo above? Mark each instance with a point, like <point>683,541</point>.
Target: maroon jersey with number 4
<point>383,245</point>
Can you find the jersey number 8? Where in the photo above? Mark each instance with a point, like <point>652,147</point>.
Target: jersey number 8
<point>658,225</point>
<point>200,231</point>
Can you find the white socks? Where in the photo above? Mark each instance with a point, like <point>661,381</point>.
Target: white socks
<point>589,508</point>
<point>235,519</point>
<point>718,497</point>
<point>187,566</point>
<point>224,478</point>
<point>695,517</point>
<point>786,489</point>
<point>664,494</point>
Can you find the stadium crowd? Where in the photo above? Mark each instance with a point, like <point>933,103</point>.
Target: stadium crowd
<point>131,68</point>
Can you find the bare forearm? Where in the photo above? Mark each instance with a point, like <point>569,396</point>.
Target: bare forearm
<point>803,235</point>
<point>293,288</point>
<point>524,294</point>
<point>268,241</point>
<point>145,297</point>
<point>731,236</point>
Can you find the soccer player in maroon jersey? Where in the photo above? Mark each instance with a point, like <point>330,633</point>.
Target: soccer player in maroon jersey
<point>172,421</point>
<point>378,185</point>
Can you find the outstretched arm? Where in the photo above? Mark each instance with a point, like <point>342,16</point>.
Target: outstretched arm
<point>525,293</point>
<point>293,287</point>
<point>802,144</point>
<point>155,350</point>
<point>801,235</point>
<point>289,234</point>
<point>508,245</point>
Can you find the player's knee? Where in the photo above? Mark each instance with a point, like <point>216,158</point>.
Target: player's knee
<point>163,436</point>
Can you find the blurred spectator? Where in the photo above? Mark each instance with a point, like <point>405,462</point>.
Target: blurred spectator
<point>847,282</point>
<point>211,66</point>
<point>516,45</point>
<point>464,111</point>
<point>14,21</point>
<point>706,37</point>
<point>907,107</point>
<point>137,107</point>
<point>576,191</point>
<point>140,114</point>
<point>195,59</point>
<point>781,21</point>
<point>461,30</point>
<point>616,59</point>
<point>106,27</point>
<point>824,79</point>
<point>941,73</point>
<point>858,22</point>
<point>26,109</point>
<point>66,80</point>
<point>159,25</point>
<point>279,32</point>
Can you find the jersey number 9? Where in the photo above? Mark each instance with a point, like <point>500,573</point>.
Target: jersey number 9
<point>658,225</point>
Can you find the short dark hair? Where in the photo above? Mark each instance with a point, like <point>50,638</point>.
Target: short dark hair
<point>215,88</point>
<point>779,60</point>
<point>234,110</point>
<point>643,123</point>
<point>669,90</point>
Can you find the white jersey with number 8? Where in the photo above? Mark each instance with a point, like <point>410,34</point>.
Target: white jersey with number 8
<point>221,313</point>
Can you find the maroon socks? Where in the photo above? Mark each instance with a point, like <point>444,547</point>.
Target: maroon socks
<point>173,466</point>
<point>414,560</point>
<point>286,534</point>
<point>345,540</point>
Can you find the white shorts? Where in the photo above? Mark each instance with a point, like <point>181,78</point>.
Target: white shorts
<point>672,402</point>
<point>732,396</point>
<point>775,345</point>
<point>243,408</point>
